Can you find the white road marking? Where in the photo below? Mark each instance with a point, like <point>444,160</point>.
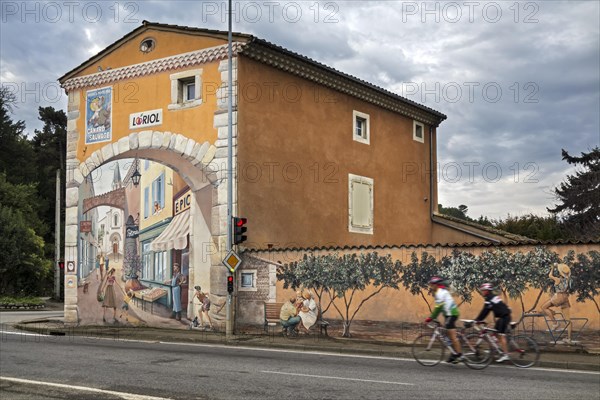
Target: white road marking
<point>337,377</point>
<point>126,396</point>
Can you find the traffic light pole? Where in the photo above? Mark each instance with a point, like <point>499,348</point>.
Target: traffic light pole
<point>228,311</point>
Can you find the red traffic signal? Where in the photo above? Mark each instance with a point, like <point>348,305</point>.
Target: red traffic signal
<point>239,229</point>
<point>61,264</point>
<point>230,284</point>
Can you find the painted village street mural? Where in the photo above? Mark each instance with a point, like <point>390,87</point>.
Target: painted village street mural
<point>135,265</point>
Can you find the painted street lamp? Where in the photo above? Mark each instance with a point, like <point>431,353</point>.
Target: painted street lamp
<point>135,177</point>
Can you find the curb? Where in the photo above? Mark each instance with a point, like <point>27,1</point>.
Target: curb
<point>335,346</point>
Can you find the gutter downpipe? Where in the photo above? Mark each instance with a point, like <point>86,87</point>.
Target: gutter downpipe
<point>431,166</point>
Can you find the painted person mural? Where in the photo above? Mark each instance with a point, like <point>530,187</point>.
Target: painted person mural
<point>560,298</point>
<point>176,281</point>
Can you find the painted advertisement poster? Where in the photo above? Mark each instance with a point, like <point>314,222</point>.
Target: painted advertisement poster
<point>98,115</point>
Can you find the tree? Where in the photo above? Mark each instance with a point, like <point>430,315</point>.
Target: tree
<point>456,212</point>
<point>416,275</point>
<point>585,275</point>
<point>579,194</point>
<point>310,273</point>
<point>341,278</point>
<point>354,273</point>
<point>17,158</point>
<point>24,269</point>
<point>462,274</point>
<point>49,145</point>
<point>532,226</point>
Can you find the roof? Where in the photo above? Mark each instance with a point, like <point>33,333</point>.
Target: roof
<point>480,230</point>
<point>457,246</point>
<point>279,57</point>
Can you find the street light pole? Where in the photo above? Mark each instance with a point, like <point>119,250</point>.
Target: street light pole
<point>228,312</point>
<point>57,238</point>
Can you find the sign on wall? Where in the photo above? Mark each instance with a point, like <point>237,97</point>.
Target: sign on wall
<point>132,231</point>
<point>98,115</point>
<point>182,202</point>
<point>71,282</point>
<point>145,118</point>
<point>85,226</point>
<point>70,267</point>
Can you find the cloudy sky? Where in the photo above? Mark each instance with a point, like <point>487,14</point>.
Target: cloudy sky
<point>518,81</point>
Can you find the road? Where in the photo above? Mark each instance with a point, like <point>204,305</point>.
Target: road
<point>31,367</point>
<point>10,317</point>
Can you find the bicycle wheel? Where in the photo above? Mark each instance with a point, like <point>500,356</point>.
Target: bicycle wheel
<point>428,350</point>
<point>523,351</point>
<point>477,351</point>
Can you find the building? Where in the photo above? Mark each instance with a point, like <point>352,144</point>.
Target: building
<point>112,223</point>
<point>321,158</point>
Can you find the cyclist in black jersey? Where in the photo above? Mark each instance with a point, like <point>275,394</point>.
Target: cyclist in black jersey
<point>501,311</point>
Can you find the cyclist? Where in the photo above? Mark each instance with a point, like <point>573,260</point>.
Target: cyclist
<point>501,313</point>
<point>445,303</point>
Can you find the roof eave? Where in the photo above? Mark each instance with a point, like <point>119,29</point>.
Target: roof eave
<point>146,25</point>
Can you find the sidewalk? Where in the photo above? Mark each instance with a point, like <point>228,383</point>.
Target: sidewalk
<point>369,338</point>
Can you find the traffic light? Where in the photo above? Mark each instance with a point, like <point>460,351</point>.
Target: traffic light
<point>61,264</point>
<point>230,284</point>
<point>239,229</point>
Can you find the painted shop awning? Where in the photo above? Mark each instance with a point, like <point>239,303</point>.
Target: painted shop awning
<point>175,236</point>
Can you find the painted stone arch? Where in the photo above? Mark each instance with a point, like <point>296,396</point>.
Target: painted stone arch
<point>200,165</point>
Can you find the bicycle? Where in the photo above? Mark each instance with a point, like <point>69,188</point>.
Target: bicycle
<point>523,351</point>
<point>428,348</point>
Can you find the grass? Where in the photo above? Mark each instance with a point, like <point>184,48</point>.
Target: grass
<point>32,301</point>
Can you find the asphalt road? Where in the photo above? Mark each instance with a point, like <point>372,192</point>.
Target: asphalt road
<point>10,317</point>
<point>31,367</point>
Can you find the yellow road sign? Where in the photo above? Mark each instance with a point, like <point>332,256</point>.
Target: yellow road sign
<point>232,260</point>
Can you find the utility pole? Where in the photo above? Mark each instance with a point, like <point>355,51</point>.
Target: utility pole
<point>228,311</point>
<point>57,238</point>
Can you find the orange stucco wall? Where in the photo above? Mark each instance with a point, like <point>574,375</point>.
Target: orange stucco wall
<point>154,91</point>
<point>296,150</point>
<point>167,44</point>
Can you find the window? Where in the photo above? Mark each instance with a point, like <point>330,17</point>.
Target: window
<point>147,45</point>
<point>248,281</point>
<point>189,91</point>
<point>158,194</point>
<point>360,202</point>
<point>116,220</point>
<point>154,264</point>
<point>361,127</point>
<point>147,265</point>
<point>146,165</point>
<point>185,89</point>
<point>146,202</point>
<point>160,266</point>
<point>418,132</point>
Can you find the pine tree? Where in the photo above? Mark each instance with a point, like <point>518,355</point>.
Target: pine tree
<point>17,158</point>
<point>579,196</point>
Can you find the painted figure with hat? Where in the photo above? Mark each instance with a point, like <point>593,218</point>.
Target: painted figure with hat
<point>560,298</point>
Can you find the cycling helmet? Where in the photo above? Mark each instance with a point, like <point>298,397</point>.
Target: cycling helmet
<point>436,280</point>
<point>486,286</point>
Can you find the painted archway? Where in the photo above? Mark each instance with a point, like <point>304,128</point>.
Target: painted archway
<point>199,168</point>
